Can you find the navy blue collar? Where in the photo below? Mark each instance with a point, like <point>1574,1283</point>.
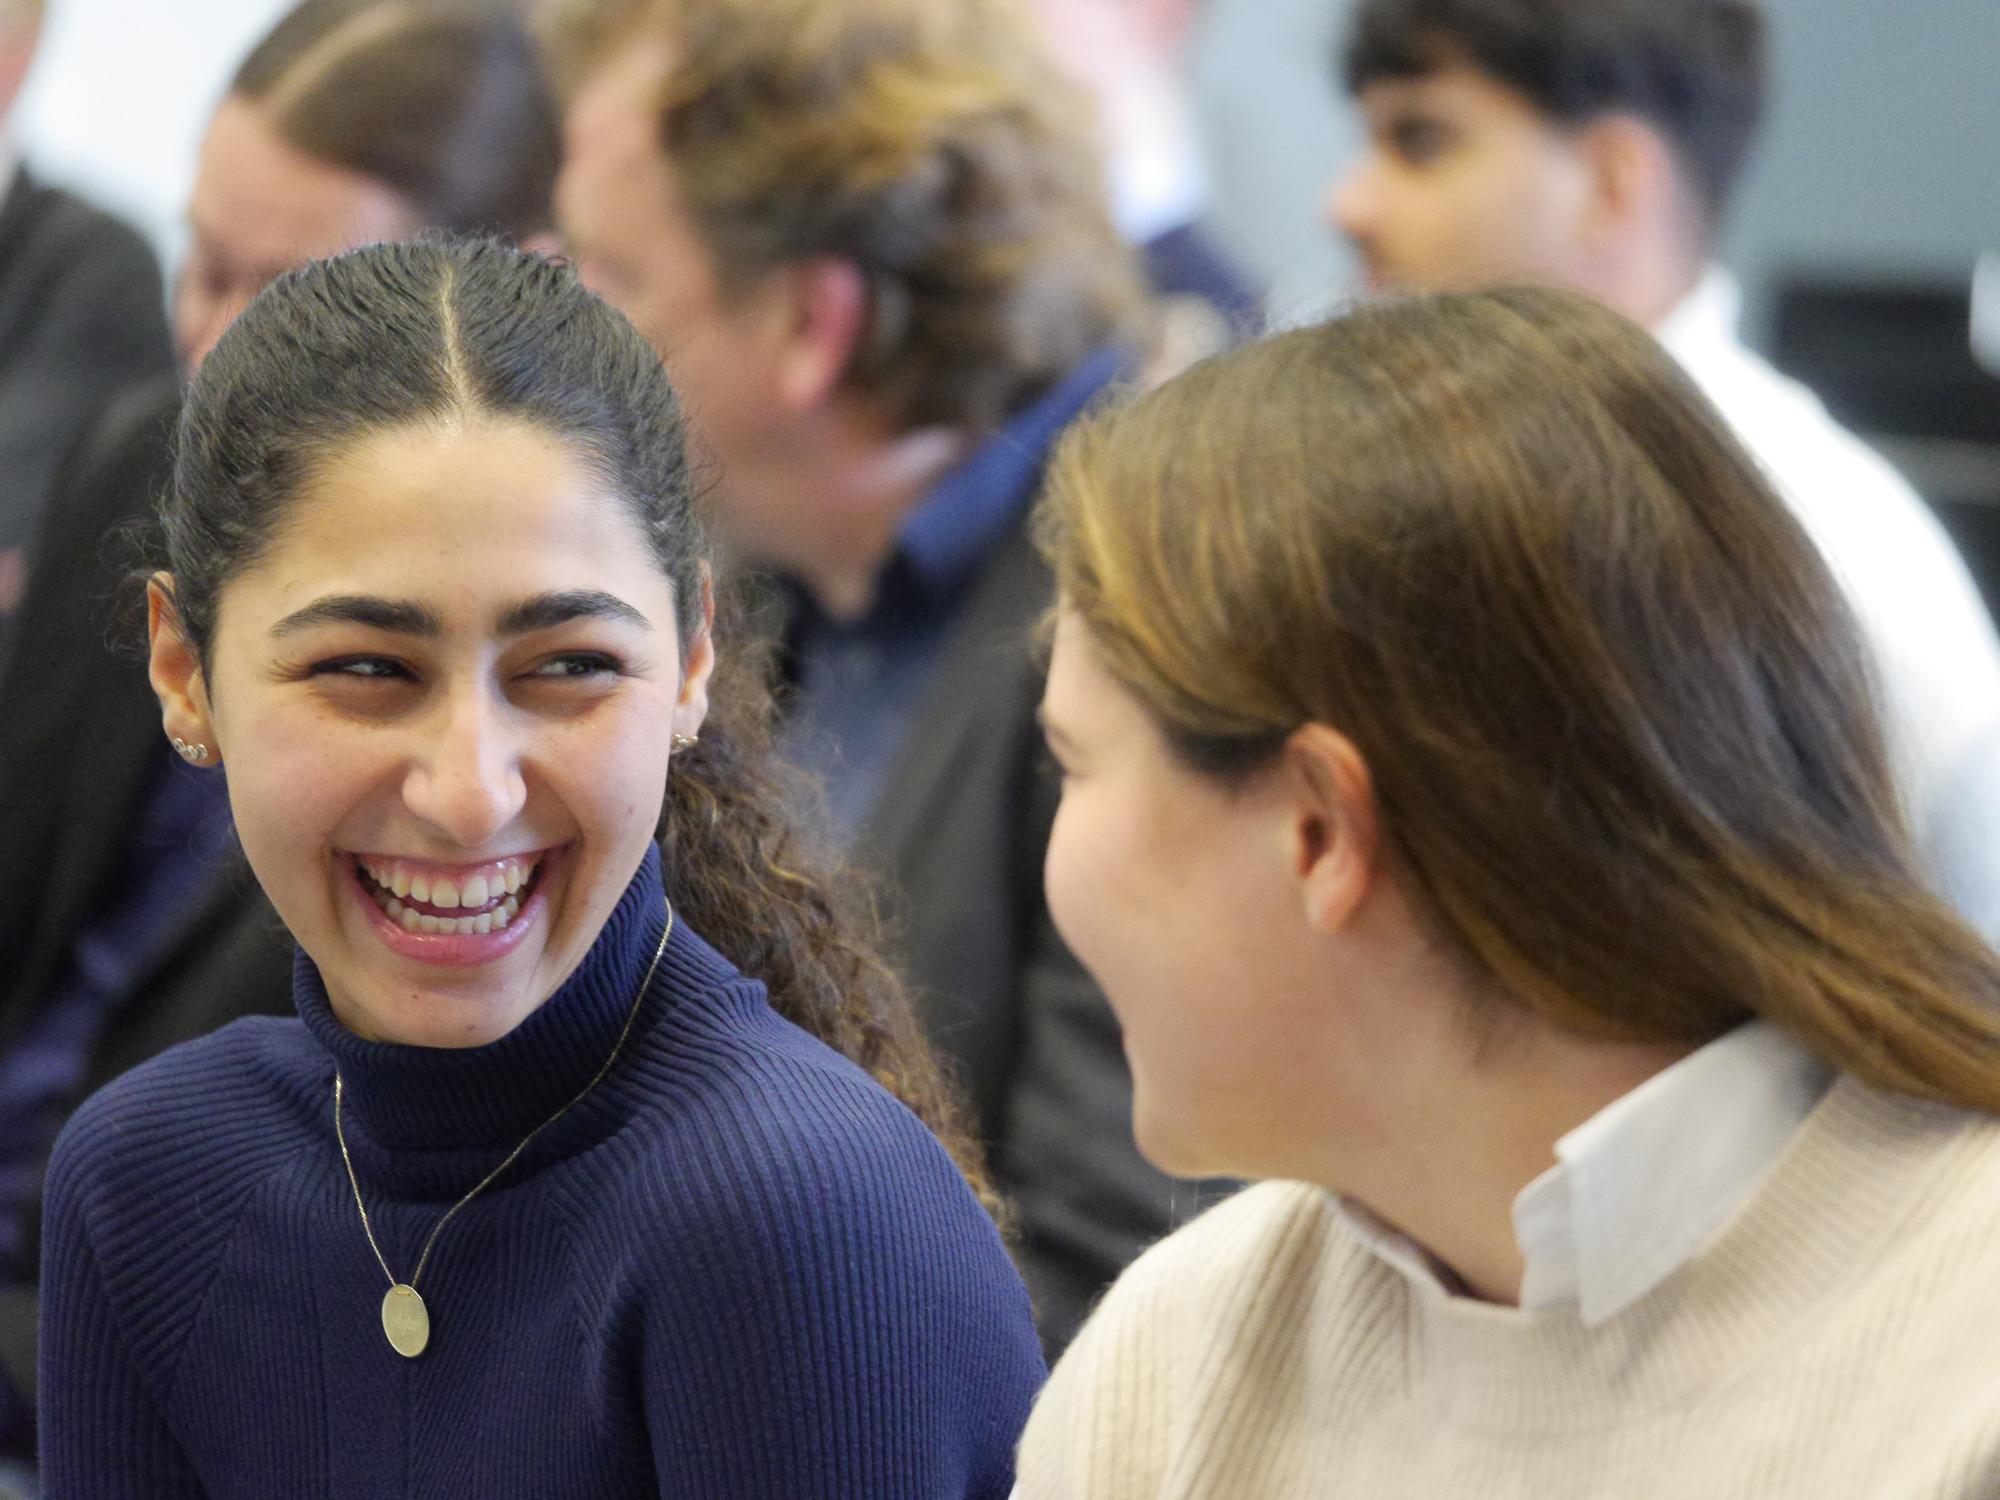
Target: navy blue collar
<point>443,1098</point>
<point>949,534</point>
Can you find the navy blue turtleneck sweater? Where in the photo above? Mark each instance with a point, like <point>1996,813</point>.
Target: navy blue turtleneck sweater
<point>738,1269</point>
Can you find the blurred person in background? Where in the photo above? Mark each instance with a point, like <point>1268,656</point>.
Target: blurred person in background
<point>81,317</point>
<point>1475,807</point>
<point>871,242</point>
<point>1595,144</point>
<point>1132,56</point>
<point>128,921</point>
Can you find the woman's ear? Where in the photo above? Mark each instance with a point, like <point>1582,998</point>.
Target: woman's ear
<point>692,705</point>
<point>175,671</point>
<point>1335,835</point>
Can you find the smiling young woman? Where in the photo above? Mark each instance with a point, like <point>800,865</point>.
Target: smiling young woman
<point>542,1194</point>
<point>1475,811</point>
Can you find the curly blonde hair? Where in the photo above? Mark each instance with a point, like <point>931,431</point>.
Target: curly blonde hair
<point>938,148</point>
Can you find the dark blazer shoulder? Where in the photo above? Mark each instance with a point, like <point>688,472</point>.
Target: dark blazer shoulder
<point>960,840</point>
<point>80,737</point>
<point>66,264</point>
<point>82,316</point>
<point>981,701</point>
<point>41,224</point>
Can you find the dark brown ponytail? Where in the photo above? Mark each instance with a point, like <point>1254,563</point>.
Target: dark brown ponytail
<point>745,869</point>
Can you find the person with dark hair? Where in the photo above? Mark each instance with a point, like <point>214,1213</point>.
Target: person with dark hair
<point>1476,810</point>
<point>127,920</point>
<point>872,244</point>
<point>80,321</point>
<point>1595,144</point>
<point>592,1165</point>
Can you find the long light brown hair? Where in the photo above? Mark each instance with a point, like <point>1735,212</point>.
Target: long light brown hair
<point>1618,718</point>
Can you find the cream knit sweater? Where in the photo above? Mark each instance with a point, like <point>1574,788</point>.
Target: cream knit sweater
<point>1840,1337</point>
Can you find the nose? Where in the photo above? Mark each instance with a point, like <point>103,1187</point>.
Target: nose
<point>465,778</point>
<point>1353,200</point>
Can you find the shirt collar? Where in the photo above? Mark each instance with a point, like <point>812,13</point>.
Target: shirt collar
<point>950,532</point>
<point>1705,319</point>
<point>1642,1185</point>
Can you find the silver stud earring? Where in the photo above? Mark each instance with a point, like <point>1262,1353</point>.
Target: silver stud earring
<point>682,742</point>
<point>193,754</point>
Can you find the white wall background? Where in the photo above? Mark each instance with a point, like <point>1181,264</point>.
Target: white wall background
<point>1276,133</point>
<point>121,93</point>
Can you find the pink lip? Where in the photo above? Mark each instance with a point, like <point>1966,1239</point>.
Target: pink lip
<point>454,950</point>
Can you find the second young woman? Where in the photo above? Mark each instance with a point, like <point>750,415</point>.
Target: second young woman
<point>1475,810</point>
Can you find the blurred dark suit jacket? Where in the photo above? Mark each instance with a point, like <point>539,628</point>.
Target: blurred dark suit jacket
<point>81,319</point>
<point>79,744</point>
<point>960,838</point>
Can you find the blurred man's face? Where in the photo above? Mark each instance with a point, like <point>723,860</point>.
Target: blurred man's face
<point>635,245</point>
<point>1463,183</point>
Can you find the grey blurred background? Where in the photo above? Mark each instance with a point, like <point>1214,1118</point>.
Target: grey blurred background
<point>1882,159</point>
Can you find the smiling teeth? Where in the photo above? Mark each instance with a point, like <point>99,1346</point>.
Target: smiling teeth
<point>485,893</point>
<point>411,920</point>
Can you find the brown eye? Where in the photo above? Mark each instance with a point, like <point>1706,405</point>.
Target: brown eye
<point>573,665</point>
<point>1420,141</point>
<point>364,668</point>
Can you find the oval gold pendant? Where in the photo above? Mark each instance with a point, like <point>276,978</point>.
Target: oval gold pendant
<point>405,1320</point>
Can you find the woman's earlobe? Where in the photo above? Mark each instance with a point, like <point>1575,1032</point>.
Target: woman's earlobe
<point>174,669</point>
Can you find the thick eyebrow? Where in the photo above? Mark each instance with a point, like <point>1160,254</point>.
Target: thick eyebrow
<point>545,611</point>
<point>406,617</point>
<point>400,616</point>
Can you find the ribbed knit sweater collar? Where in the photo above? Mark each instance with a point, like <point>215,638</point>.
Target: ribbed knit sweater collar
<point>1851,1180</point>
<point>427,1099</point>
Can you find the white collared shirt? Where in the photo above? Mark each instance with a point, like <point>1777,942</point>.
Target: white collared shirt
<point>1936,656</point>
<point>1642,1185</point>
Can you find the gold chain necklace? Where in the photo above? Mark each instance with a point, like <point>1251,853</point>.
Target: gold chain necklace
<point>405,1319</point>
